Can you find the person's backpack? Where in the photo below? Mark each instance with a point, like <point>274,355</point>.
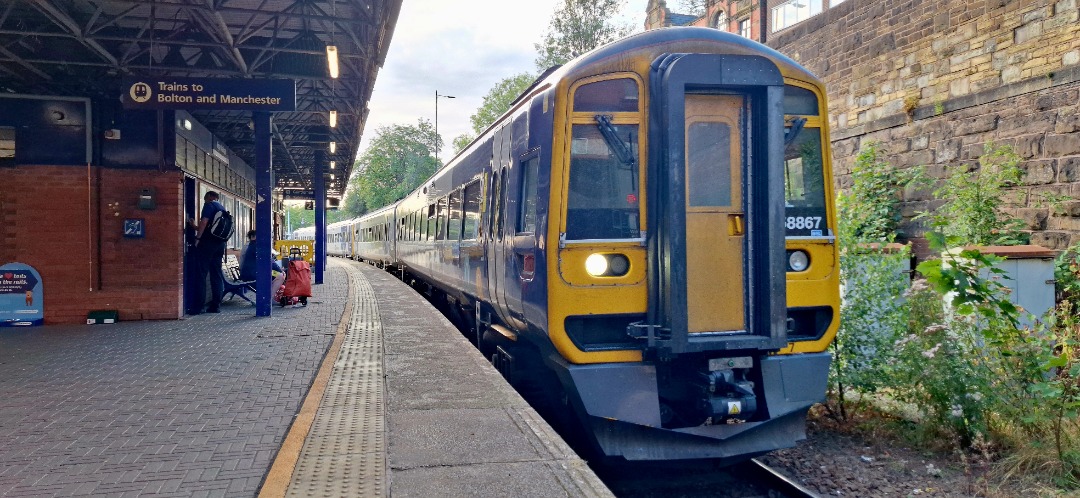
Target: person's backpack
<point>221,225</point>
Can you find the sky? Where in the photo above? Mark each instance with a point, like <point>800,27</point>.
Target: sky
<point>460,49</point>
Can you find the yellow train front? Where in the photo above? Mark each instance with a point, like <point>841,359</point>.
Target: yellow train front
<point>650,228</point>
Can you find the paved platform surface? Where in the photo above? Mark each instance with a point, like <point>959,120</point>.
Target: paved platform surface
<point>366,392</point>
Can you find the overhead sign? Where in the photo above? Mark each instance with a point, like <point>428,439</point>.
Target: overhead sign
<point>20,296</point>
<point>209,93</point>
<point>298,194</point>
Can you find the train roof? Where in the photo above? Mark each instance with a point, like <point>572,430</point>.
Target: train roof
<point>687,39</point>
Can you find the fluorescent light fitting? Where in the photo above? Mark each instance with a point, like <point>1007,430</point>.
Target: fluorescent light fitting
<point>333,147</point>
<point>333,164</point>
<point>332,60</point>
<point>333,119</point>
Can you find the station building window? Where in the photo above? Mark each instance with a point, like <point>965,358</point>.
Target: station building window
<point>744,28</point>
<point>721,21</point>
<point>7,145</point>
<point>793,12</point>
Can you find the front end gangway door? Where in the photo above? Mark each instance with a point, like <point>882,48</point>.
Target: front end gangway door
<point>715,234</point>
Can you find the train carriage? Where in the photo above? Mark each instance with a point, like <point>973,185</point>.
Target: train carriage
<point>374,235</point>
<point>648,234</point>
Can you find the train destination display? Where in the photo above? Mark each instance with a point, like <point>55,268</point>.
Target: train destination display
<point>209,93</point>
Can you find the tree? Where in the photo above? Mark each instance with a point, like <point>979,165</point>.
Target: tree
<point>354,205</point>
<point>498,99</point>
<point>462,141</point>
<point>398,160</point>
<point>495,103</point>
<point>297,217</point>
<point>577,27</point>
<point>695,7</point>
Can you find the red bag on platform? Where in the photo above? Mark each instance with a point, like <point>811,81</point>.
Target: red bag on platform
<point>298,281</point>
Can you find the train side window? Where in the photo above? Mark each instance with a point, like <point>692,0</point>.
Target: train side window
<point>440,220</point>
<point>472,211</point>
<point>431,211</point>
<point>618,95</point>
<point>527,220</point>
<point>453,226</point>
<point>501,215</point>
<point>493,204</point>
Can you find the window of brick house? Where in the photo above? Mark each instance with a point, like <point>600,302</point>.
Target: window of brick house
<point>7,144</point>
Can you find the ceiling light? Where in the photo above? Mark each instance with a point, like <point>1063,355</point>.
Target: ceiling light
<point>333,164</point>
<point>333,119</point>
<point>332,60</point>
<point>333,147</point>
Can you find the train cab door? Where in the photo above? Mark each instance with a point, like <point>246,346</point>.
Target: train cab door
<point>716,245</point>
<point>715,214</point>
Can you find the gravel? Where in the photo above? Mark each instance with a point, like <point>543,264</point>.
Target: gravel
<point>839,461</point>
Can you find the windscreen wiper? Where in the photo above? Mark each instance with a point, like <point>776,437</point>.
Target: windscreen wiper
<point>791,133</point>
<point>622,151</point>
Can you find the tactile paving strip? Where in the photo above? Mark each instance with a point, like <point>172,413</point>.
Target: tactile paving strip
<point>345,452</point>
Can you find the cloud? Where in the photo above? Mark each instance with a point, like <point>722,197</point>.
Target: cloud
<point>461,49</point>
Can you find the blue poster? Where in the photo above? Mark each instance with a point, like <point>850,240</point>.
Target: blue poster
<point>20,296</point>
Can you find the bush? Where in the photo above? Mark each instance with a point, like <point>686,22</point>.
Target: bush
<point>972,211</point>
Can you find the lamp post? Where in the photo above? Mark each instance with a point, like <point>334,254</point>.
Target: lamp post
<point>437,96</point>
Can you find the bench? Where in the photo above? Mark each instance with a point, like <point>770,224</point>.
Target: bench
<point>230,271</point>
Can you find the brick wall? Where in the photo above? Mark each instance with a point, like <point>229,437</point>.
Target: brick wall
<point>935,81</point>
<point>66,222</point>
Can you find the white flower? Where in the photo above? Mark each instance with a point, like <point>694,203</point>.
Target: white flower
<point>975,396</point>
<point>957,411</point>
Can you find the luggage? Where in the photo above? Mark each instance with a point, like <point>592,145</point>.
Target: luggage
<point>221,227</point>
<point>297,282</point>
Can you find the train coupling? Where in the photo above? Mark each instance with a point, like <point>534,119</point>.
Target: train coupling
<point>727,396</point>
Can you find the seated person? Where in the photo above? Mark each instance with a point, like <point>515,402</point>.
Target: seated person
<point>247,259</point>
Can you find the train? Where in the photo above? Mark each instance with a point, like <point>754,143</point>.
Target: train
<point>645,242</point>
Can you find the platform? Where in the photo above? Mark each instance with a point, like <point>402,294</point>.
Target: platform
<point>368,391</point>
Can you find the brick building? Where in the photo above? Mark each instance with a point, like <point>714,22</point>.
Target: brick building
<point>933,82</point>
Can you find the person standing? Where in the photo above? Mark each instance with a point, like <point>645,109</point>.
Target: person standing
<point>209,251</point>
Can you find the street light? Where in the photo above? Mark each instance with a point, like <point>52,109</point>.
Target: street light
<point>437,95</point>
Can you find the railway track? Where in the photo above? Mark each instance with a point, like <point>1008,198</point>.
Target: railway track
<point>779,482</point>
<point>752,479</point>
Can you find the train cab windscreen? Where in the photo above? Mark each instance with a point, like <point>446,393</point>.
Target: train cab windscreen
<point>804,181</point>
<point>604,181</point>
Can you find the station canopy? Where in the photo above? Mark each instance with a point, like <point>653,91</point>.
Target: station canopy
<point>86,47</point>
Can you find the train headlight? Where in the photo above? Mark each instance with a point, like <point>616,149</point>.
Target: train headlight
<point>798,261</point>
<point>607,265</point>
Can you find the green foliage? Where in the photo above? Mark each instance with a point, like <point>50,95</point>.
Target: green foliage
<point>1067,275</point>
<point>576,27</point>
<point>873,314</point>
<point>297,217</point>
<point>694,7</point>
<point>497,101</point>
<point>972,210</point>
<point>462,141</point>
<point>398,160</point>
<point>354,204</point>
<point>870,210</point>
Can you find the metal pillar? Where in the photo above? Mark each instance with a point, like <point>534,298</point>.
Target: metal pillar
<point>264,214</point>
<point>320,214</point>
